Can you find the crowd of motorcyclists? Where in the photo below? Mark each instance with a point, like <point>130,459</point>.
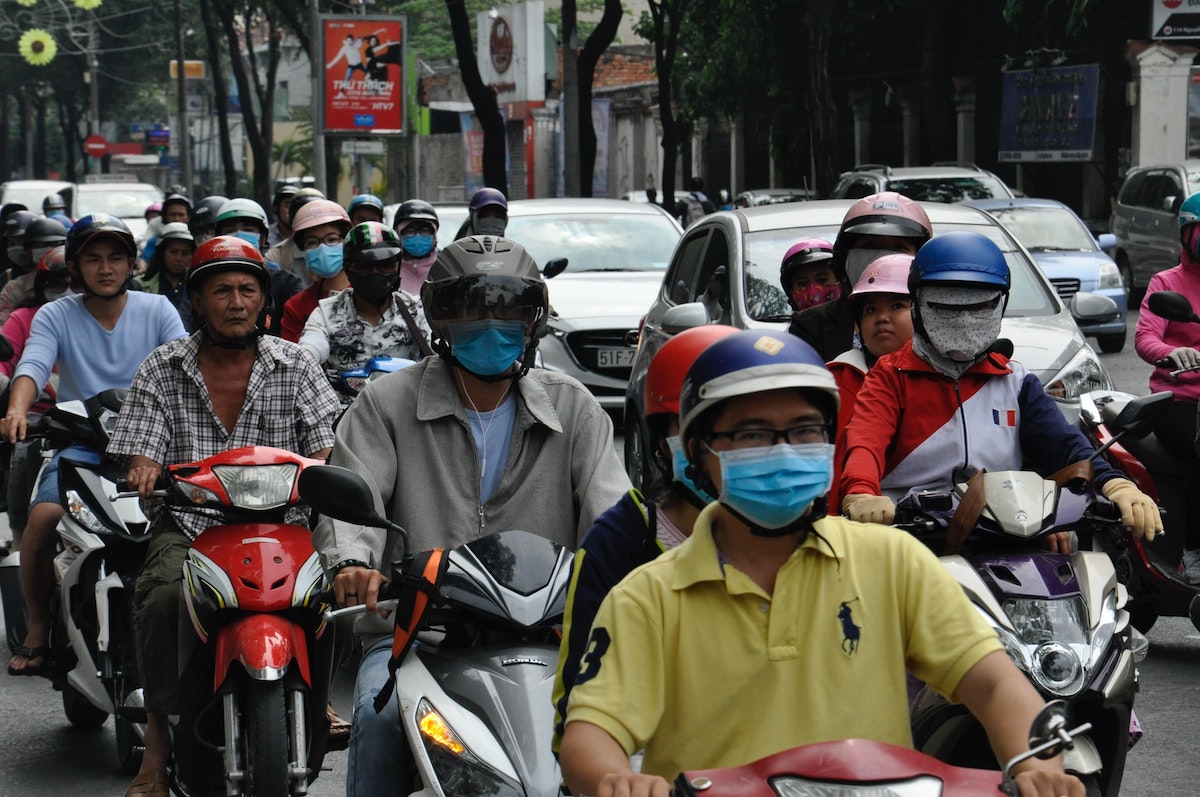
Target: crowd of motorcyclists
<point>756,578</point>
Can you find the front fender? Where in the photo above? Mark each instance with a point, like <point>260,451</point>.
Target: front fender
<point>265,645</point>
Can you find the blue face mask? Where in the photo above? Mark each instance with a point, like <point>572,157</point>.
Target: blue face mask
<point>417,245</point>
<point>487,347</point>
<point>679,462</point>
<point>325,260</point>
<point>772,486</point>
<point>250,237</point>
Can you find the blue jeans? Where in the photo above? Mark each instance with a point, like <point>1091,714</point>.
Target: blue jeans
<point>380,763</point>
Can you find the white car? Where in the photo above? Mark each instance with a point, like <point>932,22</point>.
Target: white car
<point>127,200</point>
<point>616,254</point>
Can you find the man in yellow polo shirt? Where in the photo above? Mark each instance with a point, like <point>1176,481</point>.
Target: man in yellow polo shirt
<point>775,626</point>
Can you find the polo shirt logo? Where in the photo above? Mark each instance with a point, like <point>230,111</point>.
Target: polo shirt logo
<point>850,631</point>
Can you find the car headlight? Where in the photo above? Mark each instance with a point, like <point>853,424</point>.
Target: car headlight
<point>1110,276</point>
<point>920,786</point>
<point>459,771</point>
<point>1083,373</point>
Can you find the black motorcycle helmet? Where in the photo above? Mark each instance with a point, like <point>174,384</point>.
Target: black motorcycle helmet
<point>483,273</point>
<point>46,232</point>
<point>415,210</point>
<point>204,215</point>
<point>18,223</point>
<point>89,227</point>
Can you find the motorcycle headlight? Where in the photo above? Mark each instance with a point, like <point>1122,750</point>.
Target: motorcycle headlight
<point>1083,373</point>
<point>257,486</point>
<point>459,770</point>
<point>83,515</point>
<point>921,786</point>
<point>1054,636</point>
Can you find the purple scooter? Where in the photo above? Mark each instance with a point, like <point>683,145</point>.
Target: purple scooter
<point>1060,617</point>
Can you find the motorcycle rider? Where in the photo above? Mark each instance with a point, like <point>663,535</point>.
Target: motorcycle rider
<point>1157,338</point>
<point>978,409</point>
<point>37,237</point>
<point>535,446</point>
<point>873,226</point>
<point>227,385</point>
<point>636,530</point>
<point>416,223</point>
<point>168,265</point>
<point>281,229</point>
<point>371,318</point>
<point>97,340</point>
<point>488,214</point>
<point>319,227</point>
<point>807,274</point>
<point>365,207</point>
<point>815,616</point>
<point>287,254</point>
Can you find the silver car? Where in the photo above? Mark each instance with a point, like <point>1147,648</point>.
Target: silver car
<point>1145,219</point>
<point>615,254</point>
<point>726,270</point>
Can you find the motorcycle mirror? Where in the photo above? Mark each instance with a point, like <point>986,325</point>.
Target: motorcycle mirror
<point>339,493</point>
<point>1048,725</point>
<point>1140,416</point>
<point>1172,306</point>
<point>554,267</point>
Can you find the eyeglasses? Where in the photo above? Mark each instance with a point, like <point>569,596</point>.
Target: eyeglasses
<point>417,229</point>
<point>757,438</point>
<point>331,238</point>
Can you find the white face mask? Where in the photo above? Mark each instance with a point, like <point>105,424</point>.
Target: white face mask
<point>958,334</point>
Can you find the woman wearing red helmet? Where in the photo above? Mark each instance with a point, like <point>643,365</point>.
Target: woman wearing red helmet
<point>636,530</point>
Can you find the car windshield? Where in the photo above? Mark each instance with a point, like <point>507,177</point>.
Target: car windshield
<point>597,241</point>
<point>950,189</point>
<point>29,197</point>
<point>1043,229</point>
<point>125,202</point>
<point>765,300</point>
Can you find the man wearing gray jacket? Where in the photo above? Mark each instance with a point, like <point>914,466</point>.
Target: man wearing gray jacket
<point>458,446</point>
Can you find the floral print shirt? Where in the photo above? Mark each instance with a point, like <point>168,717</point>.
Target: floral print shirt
<point>337,336</point>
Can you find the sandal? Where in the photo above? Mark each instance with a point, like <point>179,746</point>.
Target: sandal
<point>339,731</point>
<point>29,654</point>
<point>155,783</point>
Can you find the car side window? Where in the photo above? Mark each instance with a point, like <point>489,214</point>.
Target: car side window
<point>859,188</point>
<point>1174,195</point>
<point>1131,192</point>
<point>1156,190</point>
<point>684,272</point>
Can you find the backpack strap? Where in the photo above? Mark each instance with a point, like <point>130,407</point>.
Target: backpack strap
<point>419,585</point>
<point>417,335</point>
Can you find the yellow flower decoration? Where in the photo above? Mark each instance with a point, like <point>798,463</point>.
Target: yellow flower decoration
<point>27,3</point>
<point>87,5</point>
<point>37,47</point>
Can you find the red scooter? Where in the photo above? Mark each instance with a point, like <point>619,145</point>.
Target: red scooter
<point>254,692</point>
<point>1120,426</point>
<point>857,766</point>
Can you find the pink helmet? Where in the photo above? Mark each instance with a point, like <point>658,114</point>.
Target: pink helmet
<point>885,213</point>
<point>888,274</point>
<point>318,212</point>
<point>805,252</point>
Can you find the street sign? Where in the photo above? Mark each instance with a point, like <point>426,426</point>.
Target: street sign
<point>192,70</point>
<point>95,145</point>
<point>362,147</point>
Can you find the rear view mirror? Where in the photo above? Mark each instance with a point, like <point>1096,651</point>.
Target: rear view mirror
<point>1093,308</point>
<point>555,267</point>
<point>1171,306</point>
<point>339,493</point>
<point>1107,241</point>
<point>684,316</point>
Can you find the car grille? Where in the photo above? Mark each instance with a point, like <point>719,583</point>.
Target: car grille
<point>1066,288</point>
<point>586,346</point>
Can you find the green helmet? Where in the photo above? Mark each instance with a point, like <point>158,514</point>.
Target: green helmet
<point>1189,211</point>
<point>371,242</point>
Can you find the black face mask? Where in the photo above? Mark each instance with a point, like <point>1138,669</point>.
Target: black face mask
<point>374,287</point>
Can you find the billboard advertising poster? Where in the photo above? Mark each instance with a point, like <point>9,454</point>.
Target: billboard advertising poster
<point>1049,114</point>
<point>1175,19</point>
<point>363,86</point>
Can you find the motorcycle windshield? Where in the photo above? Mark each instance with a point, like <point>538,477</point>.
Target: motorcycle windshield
<point>513,575</point>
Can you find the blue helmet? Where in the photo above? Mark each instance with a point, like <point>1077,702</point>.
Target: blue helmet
<point>89,227</point>
<point>369,200</point>
<point>487,196</point>
<point>960,259</point>
<point>752,361</point>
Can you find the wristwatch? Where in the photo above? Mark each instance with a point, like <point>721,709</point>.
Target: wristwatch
<point>348,563</point>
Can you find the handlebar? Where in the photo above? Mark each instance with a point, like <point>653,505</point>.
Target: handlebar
<point>1167,362</point>
<point>361,608</point>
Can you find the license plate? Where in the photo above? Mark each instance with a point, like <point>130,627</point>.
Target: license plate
<point>615,358</point>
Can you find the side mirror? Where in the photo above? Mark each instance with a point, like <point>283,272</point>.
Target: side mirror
<point>1106,241</point>
<point>341,494</point>
<point>1171,306</point>
<point>1140,416</point>
<point>1092,307</point>
<point>555,267</point>
<point>684,316</point>
<point>1049,724</point>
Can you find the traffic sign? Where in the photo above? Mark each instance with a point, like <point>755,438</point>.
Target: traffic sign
<point>95,145</point>
<point>374,147</point>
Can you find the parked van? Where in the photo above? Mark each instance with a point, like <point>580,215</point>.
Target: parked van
<point>1145,219</point>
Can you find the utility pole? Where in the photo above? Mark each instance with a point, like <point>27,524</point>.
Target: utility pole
<point>570,59</point>
<point>184,133</point>
<point>93,74</point>
<point>316,60</point>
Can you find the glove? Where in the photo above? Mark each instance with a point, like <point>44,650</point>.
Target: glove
<point>869,508</point>
<point>1184,357</point>
<point>1139,514</point>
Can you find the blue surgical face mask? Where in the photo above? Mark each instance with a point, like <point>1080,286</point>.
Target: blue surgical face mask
<point>324,260</point>
<point>487,347</point>
<point>679,463</point>
<point>250,237</point>
<point>773,486</point>
<point>417,245</point>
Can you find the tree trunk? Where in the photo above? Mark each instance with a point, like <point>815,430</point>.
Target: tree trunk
<point>666,42</point>
<point>483,98</point>
<point>265,94</point>
<point>822,112</point>
<point>39,138</point>
<point>593,48</point>
<point>220,97</point>
<point>938,127</point>
<point>254,136</point>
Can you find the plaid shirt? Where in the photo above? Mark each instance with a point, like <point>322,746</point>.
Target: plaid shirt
<point>169,416</point>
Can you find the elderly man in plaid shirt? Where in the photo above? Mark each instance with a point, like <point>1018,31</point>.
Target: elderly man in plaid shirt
<point>224,387</point>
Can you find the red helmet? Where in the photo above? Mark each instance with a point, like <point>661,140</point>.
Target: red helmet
<point>226,253</point>
<point>664,379</point>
